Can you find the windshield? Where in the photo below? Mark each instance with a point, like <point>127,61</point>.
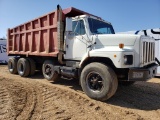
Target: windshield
<point>100,27</point>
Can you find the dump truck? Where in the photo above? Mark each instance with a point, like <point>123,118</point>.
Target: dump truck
<point>74,44</point>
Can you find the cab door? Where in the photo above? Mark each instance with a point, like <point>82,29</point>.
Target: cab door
<point>76,41</point>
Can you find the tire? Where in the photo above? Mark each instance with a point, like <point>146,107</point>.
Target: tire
<point>23,67</point>
<point>126,83</point>
<point>12,65</point>
<point>32,66</point>
<point>48,71</point>
<point>98,81</point>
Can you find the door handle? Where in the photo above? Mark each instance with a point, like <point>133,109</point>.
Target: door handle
<point>66,46</point>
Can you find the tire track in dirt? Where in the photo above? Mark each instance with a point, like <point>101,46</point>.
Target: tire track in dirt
<point>67,100</point>
<point>54,103</point>
<point>24,98</point>
<point>29,106</point>
<point>5,102</point>
<point>37,99</point>
<point>67,105</point>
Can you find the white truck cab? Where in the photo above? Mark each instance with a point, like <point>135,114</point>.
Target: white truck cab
<point>93,37</point>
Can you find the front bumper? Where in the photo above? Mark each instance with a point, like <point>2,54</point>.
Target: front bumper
<point>142,74</point>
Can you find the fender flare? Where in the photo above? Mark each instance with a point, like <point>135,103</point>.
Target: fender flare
<point>86,56</point>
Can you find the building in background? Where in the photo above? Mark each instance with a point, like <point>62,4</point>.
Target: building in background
<point>3,51</point>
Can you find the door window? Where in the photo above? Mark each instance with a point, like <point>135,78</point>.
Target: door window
<point>78,27</point>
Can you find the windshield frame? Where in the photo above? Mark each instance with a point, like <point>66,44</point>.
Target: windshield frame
<point>100,21</point>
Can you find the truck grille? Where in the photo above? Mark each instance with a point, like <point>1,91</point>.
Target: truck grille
<point>148,52</point>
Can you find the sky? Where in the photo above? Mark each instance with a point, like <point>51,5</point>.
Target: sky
<point>125,15</point>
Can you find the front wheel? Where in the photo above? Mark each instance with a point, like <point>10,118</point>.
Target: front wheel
<point>98,81</point>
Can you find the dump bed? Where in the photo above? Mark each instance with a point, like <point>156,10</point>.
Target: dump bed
<point>42,36</point>
<point>36,37</point>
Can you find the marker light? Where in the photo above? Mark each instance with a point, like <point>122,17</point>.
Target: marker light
<point>121,45</point>
<point>115,56</point>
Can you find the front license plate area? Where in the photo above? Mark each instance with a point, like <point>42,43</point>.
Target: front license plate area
<point>137,75</point>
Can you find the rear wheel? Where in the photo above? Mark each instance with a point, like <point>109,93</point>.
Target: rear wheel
<point>12,65</point>
<point>48,71</point>
<point>32,66</point>
<point>23,67</point>
<point>98,81</point>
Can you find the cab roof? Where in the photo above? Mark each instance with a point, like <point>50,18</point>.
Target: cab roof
<point>72,12</point>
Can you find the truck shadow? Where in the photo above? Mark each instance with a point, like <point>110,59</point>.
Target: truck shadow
<point>71,83</point>
<point>38,75</point>
<point>141,95</point>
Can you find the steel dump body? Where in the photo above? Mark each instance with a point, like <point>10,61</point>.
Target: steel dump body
<point>38,37</point>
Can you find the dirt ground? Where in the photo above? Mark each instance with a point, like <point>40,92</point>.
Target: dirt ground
<point>36,98</point>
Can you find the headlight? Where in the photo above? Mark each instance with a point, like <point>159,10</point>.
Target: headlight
<point>128,59</point>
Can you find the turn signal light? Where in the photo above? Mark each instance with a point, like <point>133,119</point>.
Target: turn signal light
<point>121,45</point>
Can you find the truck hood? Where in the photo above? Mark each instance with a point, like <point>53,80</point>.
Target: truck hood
<point>115,39</point>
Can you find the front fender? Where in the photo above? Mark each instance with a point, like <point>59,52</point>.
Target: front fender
<point>84,58</point>
<point>116,56</point>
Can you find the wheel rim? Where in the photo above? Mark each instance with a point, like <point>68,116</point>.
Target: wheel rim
<point>48,70</point>
<point>94,81</point>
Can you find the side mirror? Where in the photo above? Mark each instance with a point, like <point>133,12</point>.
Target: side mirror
<point>69,24</point>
